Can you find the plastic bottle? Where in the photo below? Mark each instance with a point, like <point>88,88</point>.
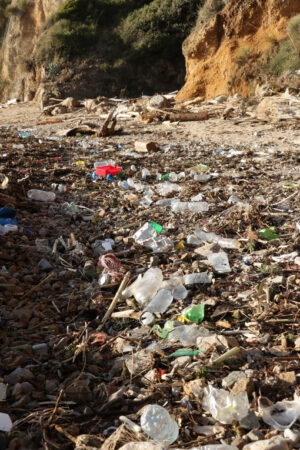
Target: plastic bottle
<point>157,423</point>
<point>167,188</point>
<point>166,201</point>
<point>106,162</point>
<point>219,262</point>
<point>59,187</point>
<point>160,302</point>
<point>144,233</point>
<point>41,196</point>
<point>214,238</point>
<point>144,288</point>
<point>195,207</point>
<point>186,334</point>
<point>198,278</point>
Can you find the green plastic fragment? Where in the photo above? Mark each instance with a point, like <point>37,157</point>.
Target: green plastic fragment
<point>158,228</point>
<point>184,352</point>
<point>268,234</point>
<point>194,313</point>
<point>290,186</point>
<point>120,175</point>
<point>164,332</point>
<point>165,177</point>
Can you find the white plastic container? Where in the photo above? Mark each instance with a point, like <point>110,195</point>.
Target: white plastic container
<point>41,196</point>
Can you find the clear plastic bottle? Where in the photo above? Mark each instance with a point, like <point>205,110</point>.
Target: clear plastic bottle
<point>160,302</point>
<point>106,162</point>
<point>186,334</point>
<point>167,188</point>
<point>192,239</point>
<point>157,423</point>
<point>198,278</point>
<point>41,196</point>
<point>214,238</point>
<point>195,207</point>
<point>145,287</point>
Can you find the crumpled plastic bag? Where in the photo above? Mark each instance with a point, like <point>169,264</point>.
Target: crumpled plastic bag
<point>224,406</point>
<point>279,415</point>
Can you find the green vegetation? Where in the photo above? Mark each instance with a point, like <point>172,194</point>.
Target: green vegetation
<point>245,54</point>
<point>3,16</point>
<point>288,56</point>
<point>209,9</point>
<point>133,27</point>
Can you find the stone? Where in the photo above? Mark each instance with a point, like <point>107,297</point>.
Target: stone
<point>297,343</point>
<point>144,147</point>
<point>242,385</point>
<point>195,388</point>
<point>17,375</point>
<point>139,363</point>
<point>255,435</point>
<point>158,102</point>
<point>142,446</point>
<point>276,443</point>
<point>250,421</point>
<point>232,378</point>
<point>294,436</point>
<point>216,341</point>
<point>288,378</point>
<point>182,361</point>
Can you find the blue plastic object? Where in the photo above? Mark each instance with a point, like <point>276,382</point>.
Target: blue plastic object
<point>109,177</point>
<point>94,176</point>
<point>8,221</point>
<point>6,213</point>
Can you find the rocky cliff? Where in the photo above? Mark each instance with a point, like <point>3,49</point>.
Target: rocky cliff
<point>224,55</point>
<point>23,31</point>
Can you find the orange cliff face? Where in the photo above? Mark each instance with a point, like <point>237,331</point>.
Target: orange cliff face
<point>212,51</point>
<point>22,34</point>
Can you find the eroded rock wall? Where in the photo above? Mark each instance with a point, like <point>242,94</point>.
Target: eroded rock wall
<point>212,51</point>
<point>24,29</point>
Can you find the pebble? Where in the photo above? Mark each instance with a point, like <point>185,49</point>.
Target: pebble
<point>232,378</point>
<point>17,375</point>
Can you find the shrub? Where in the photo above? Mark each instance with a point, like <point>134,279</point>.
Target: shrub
<point>288,56</point>
<point>160,25</point>
<point>209,9</point>
<point>244,56</point>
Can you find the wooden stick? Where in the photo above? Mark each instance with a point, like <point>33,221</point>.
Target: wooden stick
<point>115,301</point>
<point>39,285</point>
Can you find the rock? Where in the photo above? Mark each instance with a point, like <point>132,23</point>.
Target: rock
<point>70,103</point>
<point>144,147</point>
<point>182,361</point>
<point>276,443</point>
<point>150,377</point>
<point>142,446</point>
<point>158,102</point>
<point>232,378</point>
<point>195,388</point>
<point>79,392</point>
<point>215,341</point>
<point>250,421</point>
<point>44,264</point>
<point>139,363</point>
<point>51,386</point>
<point>91,105</point>
<point>41,349</point>
<point>59,109</point>
<point>244,384</point>
<point>288,378</point>
<point>294,436</point>
<point>3,392</point>
<point>297,343</point>
<point>18,374</point>
<point>255,435</point>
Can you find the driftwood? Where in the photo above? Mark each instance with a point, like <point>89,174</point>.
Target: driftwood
<point>107,129</point>
<point>173,116</point>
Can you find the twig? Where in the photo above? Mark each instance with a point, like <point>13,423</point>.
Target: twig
<point>55,407</point>
<point>234,351</point>
<point>39,285</point>
<point>115,301</point>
